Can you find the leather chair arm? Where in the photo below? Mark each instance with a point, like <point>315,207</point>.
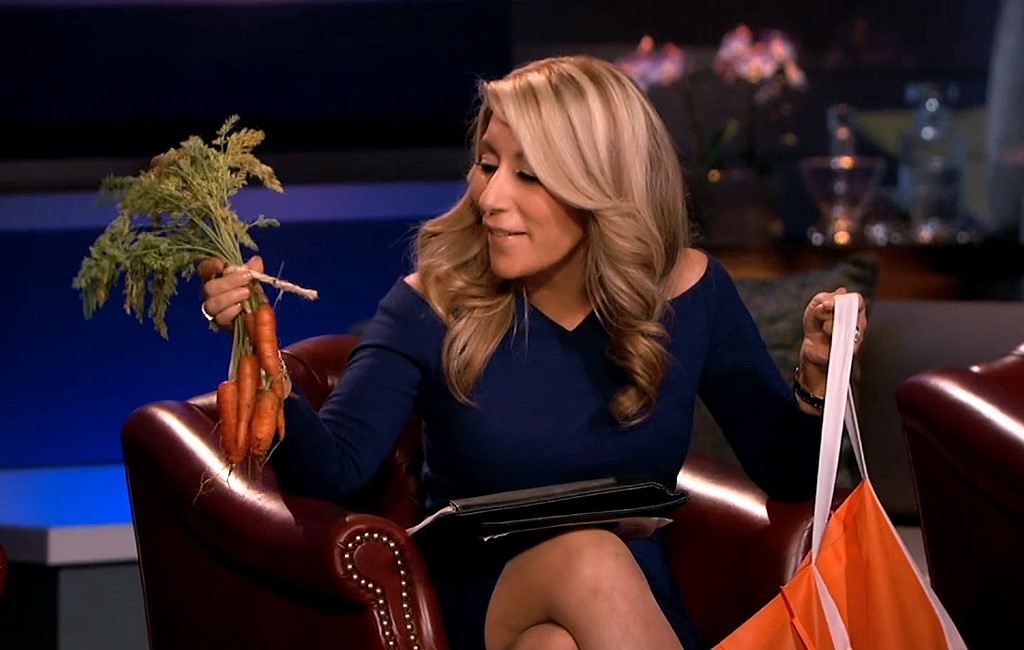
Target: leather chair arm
<point>732,545</point>
<point>304,543</point>
<point>992,415</point>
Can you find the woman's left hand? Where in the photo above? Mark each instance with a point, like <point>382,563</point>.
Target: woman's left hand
<point>818,318</point>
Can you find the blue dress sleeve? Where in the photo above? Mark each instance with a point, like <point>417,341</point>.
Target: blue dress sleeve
<point>775,441</point>
<point>333,453</point>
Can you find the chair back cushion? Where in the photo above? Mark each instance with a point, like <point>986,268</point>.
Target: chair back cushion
<point>315,364</point>
<point>731,547</point>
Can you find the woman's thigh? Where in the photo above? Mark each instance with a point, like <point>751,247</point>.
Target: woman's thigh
<point>547,636</point>
<point>586,581</point>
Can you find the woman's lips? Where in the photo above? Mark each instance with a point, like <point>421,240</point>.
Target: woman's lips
<point>501,233</point>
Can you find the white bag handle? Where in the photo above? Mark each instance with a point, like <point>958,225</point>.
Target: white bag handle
<point>840,407</point>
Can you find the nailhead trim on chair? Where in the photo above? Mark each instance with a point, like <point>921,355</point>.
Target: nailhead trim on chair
<point>379,603</point>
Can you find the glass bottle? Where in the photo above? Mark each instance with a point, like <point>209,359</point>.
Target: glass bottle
<point>931,164</point>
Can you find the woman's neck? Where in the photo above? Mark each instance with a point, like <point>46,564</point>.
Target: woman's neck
<point>561,293</point>
<point>566,311</point>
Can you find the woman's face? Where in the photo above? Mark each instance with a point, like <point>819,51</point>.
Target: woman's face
<point>531,235</point>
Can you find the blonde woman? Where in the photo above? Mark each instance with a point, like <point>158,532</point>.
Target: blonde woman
<point>557,327</point>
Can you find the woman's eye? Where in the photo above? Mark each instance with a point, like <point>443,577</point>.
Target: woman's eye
<point>527,177</point>
<point>486,167</point>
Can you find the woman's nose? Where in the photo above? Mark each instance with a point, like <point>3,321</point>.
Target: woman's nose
<point>495,192</point>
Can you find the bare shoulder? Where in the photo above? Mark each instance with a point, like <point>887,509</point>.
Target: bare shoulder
<point>413,280</point>
<point>689,269</point>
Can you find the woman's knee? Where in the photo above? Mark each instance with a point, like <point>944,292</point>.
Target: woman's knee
<point>556,581</point>
<point>589,563</point>
<point>585,581</point>
<point>549,636</point>
<point>596,556</point>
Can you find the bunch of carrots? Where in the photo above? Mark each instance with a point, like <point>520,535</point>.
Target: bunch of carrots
<point>170,217</point>
<point>251,403</point>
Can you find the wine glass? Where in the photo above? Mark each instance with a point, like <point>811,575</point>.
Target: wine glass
<point>841,187</point>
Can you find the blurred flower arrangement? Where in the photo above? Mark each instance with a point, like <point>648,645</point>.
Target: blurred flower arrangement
<point>767,65</point>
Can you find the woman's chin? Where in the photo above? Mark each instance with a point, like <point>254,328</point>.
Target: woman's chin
<point>506,272</point>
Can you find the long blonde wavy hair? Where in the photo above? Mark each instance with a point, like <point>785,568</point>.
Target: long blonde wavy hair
<point>594,141</point>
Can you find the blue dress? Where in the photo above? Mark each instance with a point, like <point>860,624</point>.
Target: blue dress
<point>540,416</point>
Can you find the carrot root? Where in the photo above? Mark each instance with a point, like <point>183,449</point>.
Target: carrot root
<point>277,385</point>
<point>265,341</point>
<point>264,422</point>
<point>248,385</point>
<point>227,407</point>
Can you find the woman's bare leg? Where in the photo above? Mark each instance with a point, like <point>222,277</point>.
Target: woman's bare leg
<point>546,636</point>
<point>586,582</point>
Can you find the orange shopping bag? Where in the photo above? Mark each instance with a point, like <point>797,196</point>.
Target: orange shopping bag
<point>858,587</point>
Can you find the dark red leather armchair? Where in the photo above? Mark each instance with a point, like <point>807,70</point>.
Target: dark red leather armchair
<point>964,431</point>
<point>228,560</point>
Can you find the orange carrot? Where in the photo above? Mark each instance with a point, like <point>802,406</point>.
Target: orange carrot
<point>267,347</point>
<point>277,385</point>
<point>263,423</point>
<point>227,406</point>
<point>265,341</point>
<point>248,384</point>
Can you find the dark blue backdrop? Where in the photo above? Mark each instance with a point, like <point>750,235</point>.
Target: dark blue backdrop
<point>133,78</point>
<point>68,383</point>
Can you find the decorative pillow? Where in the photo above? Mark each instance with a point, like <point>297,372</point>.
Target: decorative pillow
<point>777,305</point>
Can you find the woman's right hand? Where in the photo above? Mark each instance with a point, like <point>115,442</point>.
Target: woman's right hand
<point>225,287</point>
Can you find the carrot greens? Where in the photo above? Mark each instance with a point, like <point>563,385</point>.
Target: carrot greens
<point>170,217</point>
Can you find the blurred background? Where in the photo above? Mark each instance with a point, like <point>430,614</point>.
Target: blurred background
<point>366,106</point>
